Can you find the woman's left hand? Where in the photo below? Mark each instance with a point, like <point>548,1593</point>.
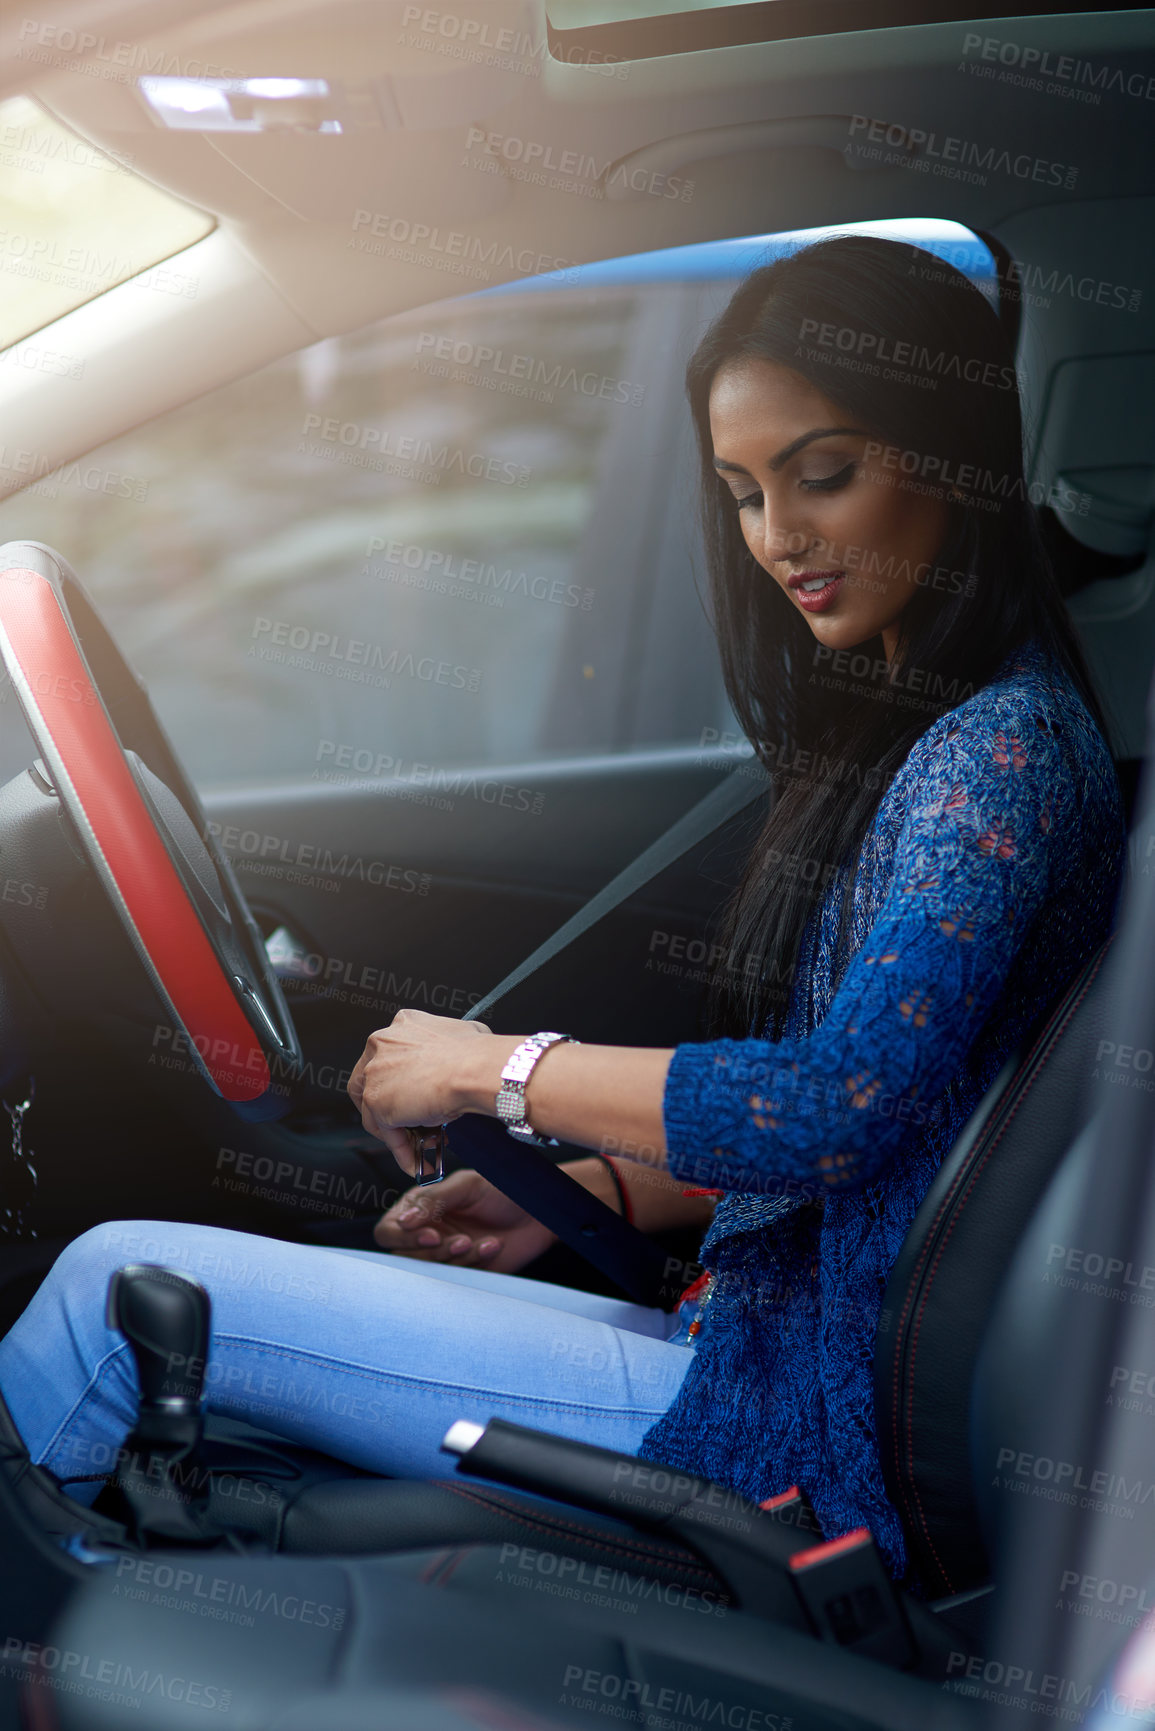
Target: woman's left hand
<point>411,1073</point>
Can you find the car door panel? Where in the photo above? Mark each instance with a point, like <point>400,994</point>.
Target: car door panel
<point>390,902</point>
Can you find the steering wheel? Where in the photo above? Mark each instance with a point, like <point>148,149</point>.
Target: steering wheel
<point>108,792</point>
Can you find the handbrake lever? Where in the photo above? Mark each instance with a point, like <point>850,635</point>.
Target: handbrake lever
<point>771,1556</point>
<point>748,1547</point>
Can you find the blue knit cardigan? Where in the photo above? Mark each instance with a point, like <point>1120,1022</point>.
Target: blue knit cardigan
<point>988,877</point>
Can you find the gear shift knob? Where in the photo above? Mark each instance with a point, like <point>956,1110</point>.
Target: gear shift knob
<point>161,1489</point>
<point>165,1318</point>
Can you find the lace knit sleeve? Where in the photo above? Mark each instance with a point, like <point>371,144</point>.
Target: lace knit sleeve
<point>975,861</point>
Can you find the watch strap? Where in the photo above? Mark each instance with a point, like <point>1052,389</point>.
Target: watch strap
<point>511,1107</point>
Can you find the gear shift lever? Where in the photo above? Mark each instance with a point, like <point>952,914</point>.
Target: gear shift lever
<point>165,1318</point>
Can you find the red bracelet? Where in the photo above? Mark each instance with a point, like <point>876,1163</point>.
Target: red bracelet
<point>695,1287</point>
<point>623,1193</point>
<point>703,1193</point>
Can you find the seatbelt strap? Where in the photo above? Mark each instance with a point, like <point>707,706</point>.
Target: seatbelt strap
<point>741,788</point>
<point>589,1226</point>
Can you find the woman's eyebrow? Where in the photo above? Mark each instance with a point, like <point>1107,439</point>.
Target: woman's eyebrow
<point>792,448</point>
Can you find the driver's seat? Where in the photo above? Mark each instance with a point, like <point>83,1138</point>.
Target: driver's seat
<point>934,1315</point>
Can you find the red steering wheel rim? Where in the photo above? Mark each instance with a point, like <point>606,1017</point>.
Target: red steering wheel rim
<point>97,789</point>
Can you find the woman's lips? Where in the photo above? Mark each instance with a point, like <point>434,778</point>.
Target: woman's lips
<point>817,600</point>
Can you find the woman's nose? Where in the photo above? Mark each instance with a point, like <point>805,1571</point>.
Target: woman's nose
<point>784,534</point>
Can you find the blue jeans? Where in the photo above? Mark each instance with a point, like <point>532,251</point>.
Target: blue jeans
<point>365,1356</point>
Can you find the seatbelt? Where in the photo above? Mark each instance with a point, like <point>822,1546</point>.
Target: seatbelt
<point>589,1226</point>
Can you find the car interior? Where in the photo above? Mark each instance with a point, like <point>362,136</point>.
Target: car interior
<point>345,452</point>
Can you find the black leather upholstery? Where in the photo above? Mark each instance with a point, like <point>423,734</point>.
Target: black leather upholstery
<point>374,1515</point>
<point>295,1500</point>
<point>320,1507</point>
<point>945,1280</point>
<point>390,1630</point>
<point>936,1308</point>
<point>934,1314</point>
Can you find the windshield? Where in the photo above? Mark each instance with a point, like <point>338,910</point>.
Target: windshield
<point>75,221</point>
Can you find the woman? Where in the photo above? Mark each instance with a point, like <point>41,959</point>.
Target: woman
<point>943,854</point>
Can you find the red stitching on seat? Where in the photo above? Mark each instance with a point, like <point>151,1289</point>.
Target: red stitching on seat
<point>558,1524</point>
<point>1032,1069</point>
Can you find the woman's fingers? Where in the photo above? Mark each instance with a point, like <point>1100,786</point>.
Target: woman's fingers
<point>399,1143</point>
<point>425,1205</point>
<point>433,1222</point>
<point>437,1237</point>
<point>405,1220</point>
<point>468,1251</point>
<point>430,1245</point>
<point>421,1230</point>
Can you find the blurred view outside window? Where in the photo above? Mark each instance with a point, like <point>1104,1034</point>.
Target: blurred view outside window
<point>466,535</point>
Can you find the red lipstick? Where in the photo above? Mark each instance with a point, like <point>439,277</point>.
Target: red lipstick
<point>820,595</point>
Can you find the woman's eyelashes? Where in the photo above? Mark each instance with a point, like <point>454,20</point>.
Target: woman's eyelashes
<point>830,483</point>
<point>819,484</point>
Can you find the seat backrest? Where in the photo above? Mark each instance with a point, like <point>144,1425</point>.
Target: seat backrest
<point>948,1271</point>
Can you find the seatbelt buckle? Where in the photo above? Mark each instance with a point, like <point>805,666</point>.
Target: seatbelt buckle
<point>793,1508</point>
<point>428,1143</point>
<point>851,1600</point>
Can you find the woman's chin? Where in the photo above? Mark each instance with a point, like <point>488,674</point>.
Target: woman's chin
<point>835,632</point>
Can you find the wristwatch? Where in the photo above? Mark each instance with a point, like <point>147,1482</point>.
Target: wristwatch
<point>511,1094</point>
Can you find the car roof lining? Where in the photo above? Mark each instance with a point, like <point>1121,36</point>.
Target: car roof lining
<point>282,269</point>
<point>292,199</point>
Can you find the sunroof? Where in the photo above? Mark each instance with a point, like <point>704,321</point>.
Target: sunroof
<point>606,30</point>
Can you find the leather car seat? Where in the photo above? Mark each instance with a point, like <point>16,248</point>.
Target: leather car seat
<point>946,1279</point>
<point>934,1315</point>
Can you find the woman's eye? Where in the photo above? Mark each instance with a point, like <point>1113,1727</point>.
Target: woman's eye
<point>829,483</point>
<point>745,499</point>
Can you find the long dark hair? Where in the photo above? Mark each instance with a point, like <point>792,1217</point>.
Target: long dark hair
<point>909,348</point>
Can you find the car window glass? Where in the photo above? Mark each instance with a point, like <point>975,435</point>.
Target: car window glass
<point>465,535</point>
<point>75,221</point>
<point>439,539</point>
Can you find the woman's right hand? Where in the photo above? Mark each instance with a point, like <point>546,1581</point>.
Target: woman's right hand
<point>465,1220</point>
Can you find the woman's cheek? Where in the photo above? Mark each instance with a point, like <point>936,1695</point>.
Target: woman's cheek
<point>853,523</point>
<point>753,543</point>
